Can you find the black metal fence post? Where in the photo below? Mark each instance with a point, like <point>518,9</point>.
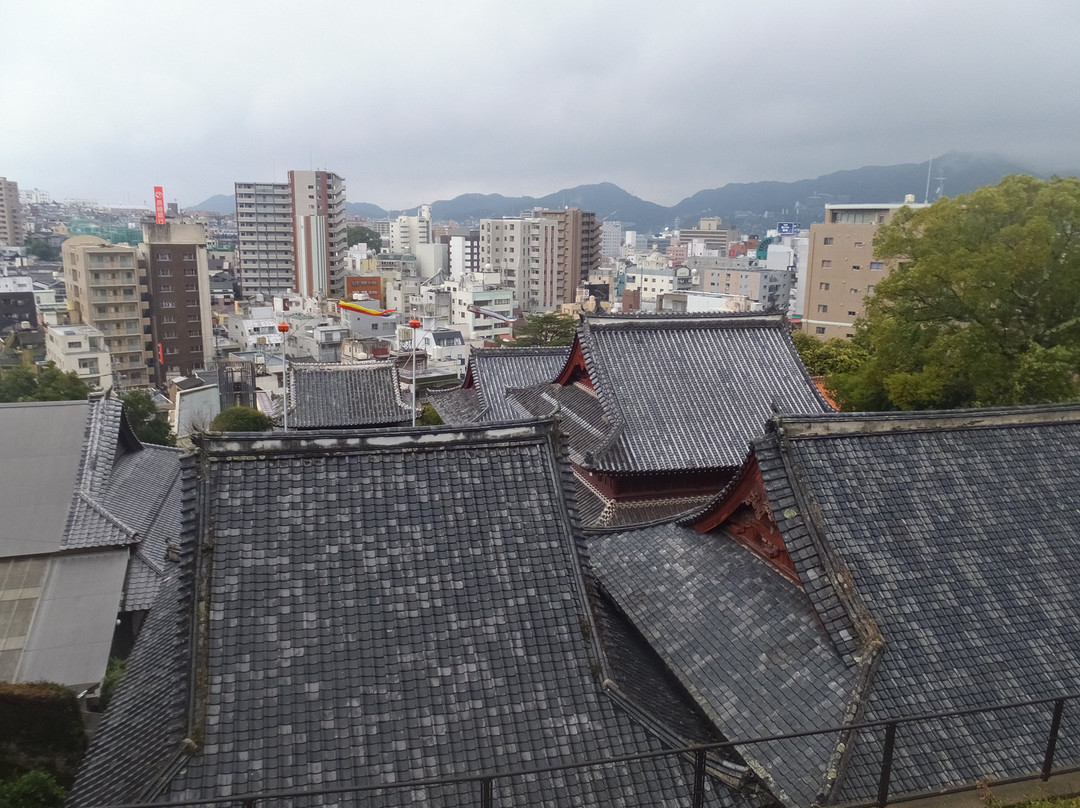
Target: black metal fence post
<point>1051,742</point>
<point>699,778</point>
<point>487,795</point>
<point>886,765</point>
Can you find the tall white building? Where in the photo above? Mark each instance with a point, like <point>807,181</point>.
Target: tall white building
<point>407,233</point>
<point>611,239</point>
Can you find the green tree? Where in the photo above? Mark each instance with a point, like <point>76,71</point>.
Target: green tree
<point>40,248</point>
<point>982,307</point>
<point>549,329</point>
<point>364,235</point>
<point>149,425</point>
<point>34,789</point>
<point>17,383</point>
<point>240,419</point>
<point>55,385</point>
<point>823,357</point>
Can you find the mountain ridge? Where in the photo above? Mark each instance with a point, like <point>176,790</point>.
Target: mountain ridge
<point>750,205</point>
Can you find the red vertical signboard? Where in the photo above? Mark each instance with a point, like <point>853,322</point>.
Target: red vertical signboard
<point>159,204</point>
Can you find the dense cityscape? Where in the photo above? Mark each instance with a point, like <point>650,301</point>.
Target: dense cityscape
<point>516,404</point>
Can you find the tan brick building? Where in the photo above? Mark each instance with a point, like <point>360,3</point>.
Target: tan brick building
<point>842,269</point>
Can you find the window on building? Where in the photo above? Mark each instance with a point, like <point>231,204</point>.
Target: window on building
<point>854,291</point>
<point>856,267</point>
<point>189,256</point>
<point>163,256</point>
<point>191,272</point>
<point>828,240</point>
<point>168,304</point>
<point>822,287</point>
<point>164,273</point>
<point>168,318</point>
<point>819,329</point>
<point>877,265</point>
<point>858,243</point>
<point>822,308</point>
<point>165,287</point>
<point>870,289</point>
<point>826,263</point>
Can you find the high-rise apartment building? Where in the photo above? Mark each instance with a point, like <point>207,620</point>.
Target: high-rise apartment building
<point>292,235</point>
<point>578,248</point>
<point>178,279</point>
<point>319,232</point>
<point>463,253</point>
<point>842,270</point>
<point>106,289</point>
<point>523,252</point>
<point>12,226</point>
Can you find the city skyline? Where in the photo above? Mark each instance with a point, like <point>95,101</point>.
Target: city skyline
<point>425,104</point>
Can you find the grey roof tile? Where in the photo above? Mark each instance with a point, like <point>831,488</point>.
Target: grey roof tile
<point>324,396</point>
<point>741,638</point>
<point>494,371</point>
<point>139,739</point>
<point>959,531</point>
<point>684,392</point>
<point>398,605</point>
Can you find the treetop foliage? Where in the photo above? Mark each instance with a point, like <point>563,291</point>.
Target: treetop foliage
<point>549,329</point>
<point>240,419</point>
<point>982,306</point>
<point>149,425</point>
<point>21,383</point>
<point>364,235</point>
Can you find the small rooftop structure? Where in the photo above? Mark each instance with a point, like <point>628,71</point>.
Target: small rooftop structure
<point>323,396</point>
<point>491,373</point>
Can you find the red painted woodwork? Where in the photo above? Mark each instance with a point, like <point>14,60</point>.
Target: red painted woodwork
<point>745,514</point>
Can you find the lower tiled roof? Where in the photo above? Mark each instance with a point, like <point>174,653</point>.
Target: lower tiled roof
<point>959,531</point>
<point>741,638</point>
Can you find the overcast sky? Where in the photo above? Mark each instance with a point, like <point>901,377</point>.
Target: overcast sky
<point>417,101</point>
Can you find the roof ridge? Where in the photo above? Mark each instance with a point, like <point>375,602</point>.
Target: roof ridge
<point>532,350</point>
<point>835,424</point>
<point>609,403</point>
<point>867,642</point>
<point>108,515</point>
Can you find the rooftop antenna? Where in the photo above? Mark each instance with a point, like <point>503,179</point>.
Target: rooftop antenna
<point>929,170</point>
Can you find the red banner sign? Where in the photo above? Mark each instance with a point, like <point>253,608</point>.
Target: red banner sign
<point>159,204</point>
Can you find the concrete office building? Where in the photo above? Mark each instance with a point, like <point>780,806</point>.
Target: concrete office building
<point>842,269</point>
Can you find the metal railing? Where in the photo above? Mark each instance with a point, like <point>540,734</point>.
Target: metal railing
<point>485,781</point>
